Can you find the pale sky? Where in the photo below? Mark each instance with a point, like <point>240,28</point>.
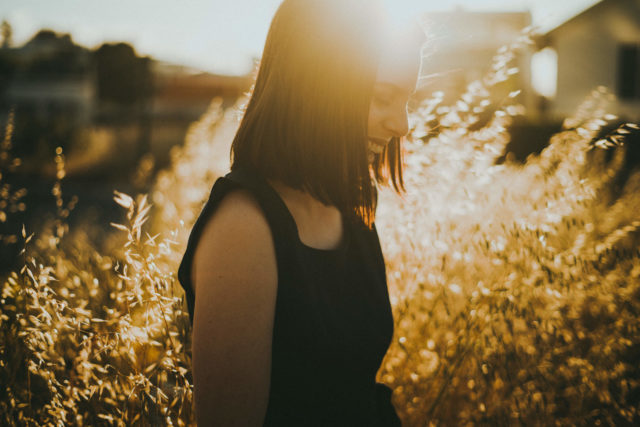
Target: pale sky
<point>220,36</point>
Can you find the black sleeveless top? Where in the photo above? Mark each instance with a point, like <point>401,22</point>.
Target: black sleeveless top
<point>333,321</point>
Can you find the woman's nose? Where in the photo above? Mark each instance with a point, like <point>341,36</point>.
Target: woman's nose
<point>398,124</point>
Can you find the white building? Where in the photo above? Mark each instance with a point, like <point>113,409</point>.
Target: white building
<point>598,47</point>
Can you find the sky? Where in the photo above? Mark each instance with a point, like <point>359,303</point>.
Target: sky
<point>219,36</point>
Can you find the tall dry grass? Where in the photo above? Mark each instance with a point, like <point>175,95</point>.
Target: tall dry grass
<point>515,288</point>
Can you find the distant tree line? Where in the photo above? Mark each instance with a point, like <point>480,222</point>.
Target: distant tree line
<point>122,81</point>
<point>122,77</point>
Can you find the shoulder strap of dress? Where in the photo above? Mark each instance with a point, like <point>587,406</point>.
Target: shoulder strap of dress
<point>274,208</point>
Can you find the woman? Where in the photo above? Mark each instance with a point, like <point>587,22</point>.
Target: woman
<point>292,316</point>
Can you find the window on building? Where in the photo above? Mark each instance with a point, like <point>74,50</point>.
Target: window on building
<point>629,71</point>
<point>544,72</point>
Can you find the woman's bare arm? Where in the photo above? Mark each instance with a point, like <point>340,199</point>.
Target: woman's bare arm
<point>235,280</point>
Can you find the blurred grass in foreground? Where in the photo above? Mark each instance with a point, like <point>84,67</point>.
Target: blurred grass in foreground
<point>515,287</point>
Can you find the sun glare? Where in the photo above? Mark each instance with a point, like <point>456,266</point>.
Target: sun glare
<point>401,12</point>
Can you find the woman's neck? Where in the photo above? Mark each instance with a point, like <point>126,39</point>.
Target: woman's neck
<point>319,225</point>
<point>302,201</point>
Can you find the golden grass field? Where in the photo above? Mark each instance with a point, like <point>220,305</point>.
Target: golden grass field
<point>515,287</point>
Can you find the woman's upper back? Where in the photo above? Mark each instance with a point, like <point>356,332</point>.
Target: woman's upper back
<point>324,325</point>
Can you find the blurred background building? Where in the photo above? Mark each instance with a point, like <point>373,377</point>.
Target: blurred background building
<point>600,46</point>
<point>106,107</point>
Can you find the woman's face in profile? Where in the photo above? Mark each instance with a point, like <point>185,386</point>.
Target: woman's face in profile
<point>395,83</point>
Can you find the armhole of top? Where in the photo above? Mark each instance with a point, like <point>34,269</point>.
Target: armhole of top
<point>221,188</point>
<point>278,225</point>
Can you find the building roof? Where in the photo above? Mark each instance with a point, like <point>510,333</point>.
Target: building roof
<point>588,9</point>
<point>459,28</point>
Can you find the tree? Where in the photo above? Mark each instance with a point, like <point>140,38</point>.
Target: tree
<point>124,78</point>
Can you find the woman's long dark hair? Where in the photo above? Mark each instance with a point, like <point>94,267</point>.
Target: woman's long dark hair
<point>305,124</point>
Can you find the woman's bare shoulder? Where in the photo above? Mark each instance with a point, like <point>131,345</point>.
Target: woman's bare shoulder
<point>238,209</point>
<point>237,233</point>
<point>239,201</point>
